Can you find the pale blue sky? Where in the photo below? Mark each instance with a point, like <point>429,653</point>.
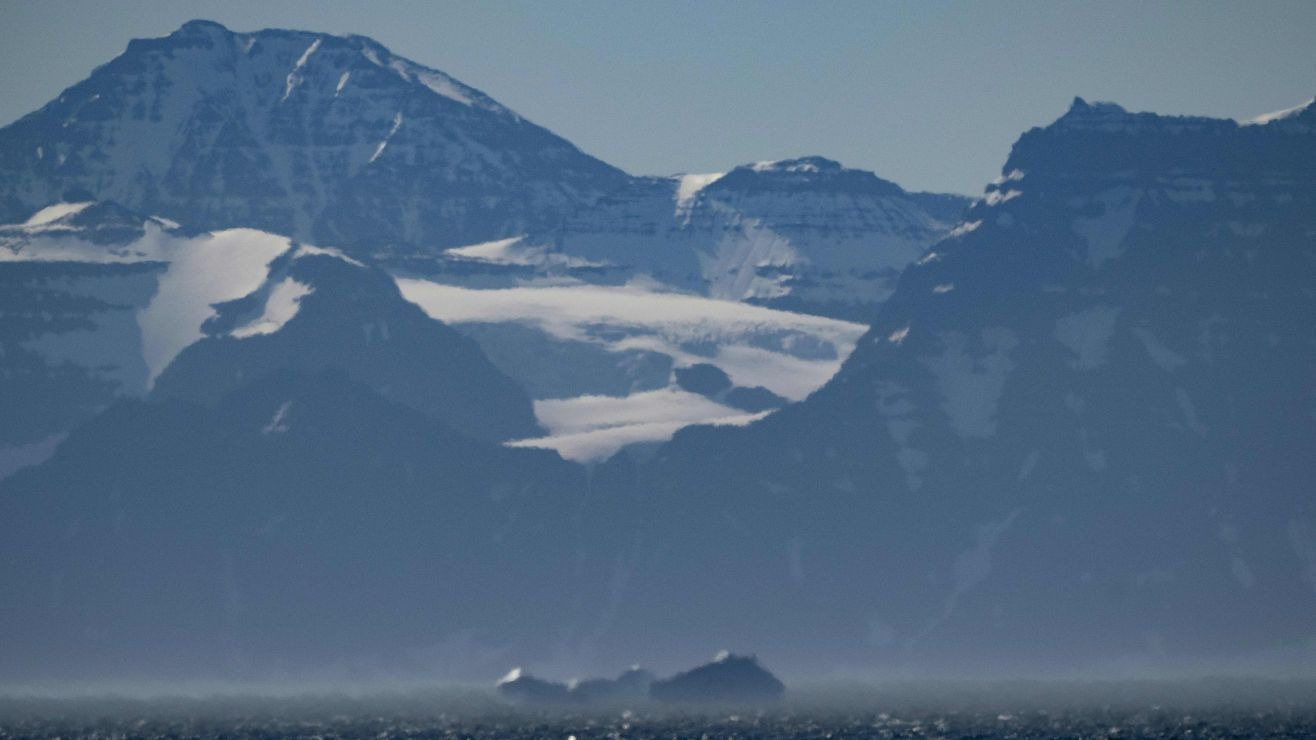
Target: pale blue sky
<point>929,94</point>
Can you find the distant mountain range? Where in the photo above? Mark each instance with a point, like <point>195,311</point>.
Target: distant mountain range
<point>284,318</point>
<point>335,140</point>
<point>803,234</point>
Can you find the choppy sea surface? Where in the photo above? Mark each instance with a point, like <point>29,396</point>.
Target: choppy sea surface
<point>1095,724</point>
<point>1228,710</point>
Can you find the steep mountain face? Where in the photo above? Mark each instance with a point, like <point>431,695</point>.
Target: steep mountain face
<point>102,303</point>
<point>805,234</point>
<point>327,139</point>
<point>1079,431</point>
<point>300,525</point>
<point>98,300</point>
<point>318,312</point>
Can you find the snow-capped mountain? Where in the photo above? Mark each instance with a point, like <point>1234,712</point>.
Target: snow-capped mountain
<point>335,141</point>
<point>805,234</point>
<point>102,303</point>
<point>327,139</point>
<point>1080,430</point>
<point>1075,424</point>
<point>316,313</point>
<point>138,305</point>
<point>1076,436</point>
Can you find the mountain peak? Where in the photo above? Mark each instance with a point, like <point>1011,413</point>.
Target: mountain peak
<point>348,53</point>
<point>1107,138</point>
<point>809,164</point>
<point>200,28</point>
<point>201,25</point>
<point>813,173</point>
<point>1082,109</point>
<point>299,133</point>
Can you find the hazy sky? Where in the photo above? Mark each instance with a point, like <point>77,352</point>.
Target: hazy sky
<point>929,94</point>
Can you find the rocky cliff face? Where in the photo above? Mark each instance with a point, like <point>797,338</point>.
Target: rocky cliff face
<point>1076,430</point>
<point>328,139</point>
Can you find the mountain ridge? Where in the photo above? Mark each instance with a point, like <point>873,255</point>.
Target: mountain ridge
<point>1048,443</point>
<point>242,104</point>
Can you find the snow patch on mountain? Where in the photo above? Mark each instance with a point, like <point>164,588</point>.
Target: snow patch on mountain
<point>586,413</point>
<point>199,272</point>
<point>432,79</point>
<point>1105,233</point>
<point>278,424</point>
<point>601,443</point>
<point>397,124</point>
<point>14,458</point>
<point>1279,115</point>
<point>732,266</point>
<point>590,428</point>
<point>804,164</point>
<point>439,83</point>
<point>294,77</point>
<point>55,212</point>
<point>997,197</point>
<point>688,186</point>
<point>967,227</point>
<point>304,250</point>
<point>971,382</point>
<point>518,252</point>
<point>788,353</point>
<point>443,85</point>
<point>203,271</point>
<point>280,307</point>
<point>58,248</point>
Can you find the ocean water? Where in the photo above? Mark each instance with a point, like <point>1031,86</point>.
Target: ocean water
<point>1234,709</point>
<point>1089,724</point>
